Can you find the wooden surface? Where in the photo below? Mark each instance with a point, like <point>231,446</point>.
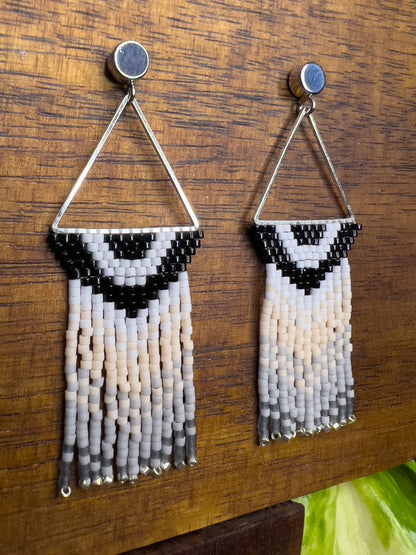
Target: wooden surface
<point>216,97</point>
<point>276,530</point>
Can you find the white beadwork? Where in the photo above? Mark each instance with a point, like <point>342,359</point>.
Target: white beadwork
<point>305,380</point>
<point>129,398</point>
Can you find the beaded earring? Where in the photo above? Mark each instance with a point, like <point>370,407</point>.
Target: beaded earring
<point>129,397</point>
<point>305,380</point>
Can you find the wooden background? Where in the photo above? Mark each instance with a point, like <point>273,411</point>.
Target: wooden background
<point>217,100</point>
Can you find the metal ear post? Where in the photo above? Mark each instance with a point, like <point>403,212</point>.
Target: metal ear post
<point>304,82</point>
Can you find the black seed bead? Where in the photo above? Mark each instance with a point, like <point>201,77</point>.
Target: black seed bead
<point>131,310</point>
<point>96,284</point>
<point>73,239</point>
<point>129,292</point>
<point>109,293</point>
<point>139,290</point>
<point>106,281</point>
<point>152,295</point>
<point>73,273</point>
<point>142,303</point>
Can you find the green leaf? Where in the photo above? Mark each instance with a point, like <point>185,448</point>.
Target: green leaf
<point>371,515</point>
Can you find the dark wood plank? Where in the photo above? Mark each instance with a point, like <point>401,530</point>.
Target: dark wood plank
<point>216,97</point>
<point>273,531</point>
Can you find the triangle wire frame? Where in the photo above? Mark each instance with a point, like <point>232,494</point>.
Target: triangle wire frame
<point>304,110</point>
<point>128,98</point>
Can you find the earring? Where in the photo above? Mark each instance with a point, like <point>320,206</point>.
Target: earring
<point>305,380</point>
<point>129,397</point>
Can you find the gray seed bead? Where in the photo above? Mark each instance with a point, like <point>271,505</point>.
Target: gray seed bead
<point>146,427</point>
<point>274,425</point>
<point>145,449</point>
<point>263,428</point>
<point>135,403</point>
<point>190,448</point>
<point>95,467</point>
<point>144,460</point>
<point>67,456</point>
<point>83,419</point>
<point>133,467</point>
<point>135,421</point>
<point>177,427</point>
<point>70,415</point>
<point>83,471</point>
<point>166,452</point>
<point>179,456</point>
<point>155,458</point>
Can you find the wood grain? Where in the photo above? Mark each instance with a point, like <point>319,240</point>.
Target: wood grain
<point>276,531</point>
<point>216,98</point>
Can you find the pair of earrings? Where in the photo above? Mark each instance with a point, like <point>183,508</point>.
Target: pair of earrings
<point>130,397</point>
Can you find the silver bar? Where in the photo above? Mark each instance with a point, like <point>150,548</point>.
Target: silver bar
<point>306,222</point>
<point>126,230</point>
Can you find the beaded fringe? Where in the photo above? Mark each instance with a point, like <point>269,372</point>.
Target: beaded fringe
<point>129,397</point>
<point>305,378</point>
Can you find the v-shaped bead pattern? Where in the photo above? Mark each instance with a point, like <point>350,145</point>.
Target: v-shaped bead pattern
<point>106,262</point>
<point>305,252</point>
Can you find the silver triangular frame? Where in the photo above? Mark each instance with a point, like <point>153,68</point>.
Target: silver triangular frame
<point>128,98</point>
<point>305,110</point>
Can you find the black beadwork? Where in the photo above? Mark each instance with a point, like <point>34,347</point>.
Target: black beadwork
<point>78,263</point>
<point>270,250</point>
